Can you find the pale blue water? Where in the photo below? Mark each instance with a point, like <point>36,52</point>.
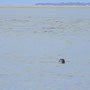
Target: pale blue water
<point>33,39</point>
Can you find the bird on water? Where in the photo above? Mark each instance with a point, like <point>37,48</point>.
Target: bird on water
<point>62,61</point>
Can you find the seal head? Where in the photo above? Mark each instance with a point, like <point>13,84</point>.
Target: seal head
<point>62,61</point>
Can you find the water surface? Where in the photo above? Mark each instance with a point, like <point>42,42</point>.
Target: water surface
<point>33,39</point>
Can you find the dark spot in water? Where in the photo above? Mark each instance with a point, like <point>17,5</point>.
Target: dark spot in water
<point>45,31</point>
<point>62,61</point>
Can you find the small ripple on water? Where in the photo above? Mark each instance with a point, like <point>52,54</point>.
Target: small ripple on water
<point>19,20</point>
<point>48,62</point>
<point>3,75</point>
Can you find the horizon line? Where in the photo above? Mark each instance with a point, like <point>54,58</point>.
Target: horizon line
<point>44,6</point>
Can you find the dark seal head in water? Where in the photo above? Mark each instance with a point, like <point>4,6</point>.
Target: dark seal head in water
<point>62,61</point>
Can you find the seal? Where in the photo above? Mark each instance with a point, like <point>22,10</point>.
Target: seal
<point>62,61</point>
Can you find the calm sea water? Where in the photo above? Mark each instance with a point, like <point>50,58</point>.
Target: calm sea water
<point>32,40</point>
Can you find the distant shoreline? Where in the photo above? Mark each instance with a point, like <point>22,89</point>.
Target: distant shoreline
<point>46,6</point>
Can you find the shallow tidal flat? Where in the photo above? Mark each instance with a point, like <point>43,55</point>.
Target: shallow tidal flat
<point>32,40</point>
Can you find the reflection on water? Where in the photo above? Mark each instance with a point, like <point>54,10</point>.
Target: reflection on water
<point>32,43</point>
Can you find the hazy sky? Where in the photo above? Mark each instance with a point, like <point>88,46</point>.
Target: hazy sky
<point>31,2</point>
